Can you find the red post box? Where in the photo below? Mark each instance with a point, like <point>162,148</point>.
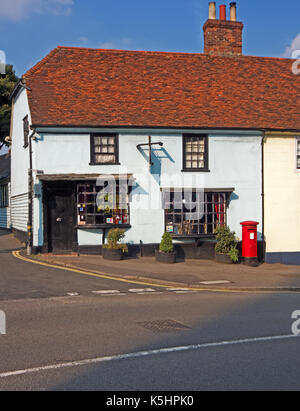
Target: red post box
<point>249,244</point>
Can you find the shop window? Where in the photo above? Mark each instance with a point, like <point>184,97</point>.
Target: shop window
<point>193,213</point>
<point>97,206</point>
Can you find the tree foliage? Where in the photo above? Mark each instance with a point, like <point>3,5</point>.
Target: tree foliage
<point>7,84</point>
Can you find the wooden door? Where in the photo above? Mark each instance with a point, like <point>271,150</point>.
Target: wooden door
<point>61,219</point>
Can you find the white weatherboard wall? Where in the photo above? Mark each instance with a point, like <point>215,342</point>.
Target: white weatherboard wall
<point>19,164</point>
<point>234,161</point>
<point>5,213</point>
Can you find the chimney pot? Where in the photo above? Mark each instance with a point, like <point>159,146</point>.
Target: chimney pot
<point>223,12</point>
<point>233,11</point>
<point>212,13</point>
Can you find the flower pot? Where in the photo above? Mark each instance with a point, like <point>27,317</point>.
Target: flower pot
<point>223,258</point>
<point>112,254</point>
<point>165,258</point>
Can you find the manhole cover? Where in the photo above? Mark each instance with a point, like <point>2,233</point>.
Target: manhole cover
<point>163,326</point>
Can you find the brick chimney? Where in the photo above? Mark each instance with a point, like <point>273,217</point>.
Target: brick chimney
<point>223,37</point>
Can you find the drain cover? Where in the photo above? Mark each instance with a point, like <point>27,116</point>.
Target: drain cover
<point>163,326</point>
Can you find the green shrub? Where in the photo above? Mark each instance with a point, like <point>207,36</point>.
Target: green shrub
<point>226,243</point>
<point>166,244</point>
<point>234,254</point>
<point>114,237</point>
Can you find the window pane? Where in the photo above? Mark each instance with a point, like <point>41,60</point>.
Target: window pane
<point>104,159</point>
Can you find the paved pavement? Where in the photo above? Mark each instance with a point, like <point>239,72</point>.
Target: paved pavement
<point>204,274</point>
<point>142,272</point>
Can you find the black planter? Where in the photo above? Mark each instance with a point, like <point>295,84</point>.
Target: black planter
<point>223,258</point>
<point>112,254</point>
<point>165,258</point>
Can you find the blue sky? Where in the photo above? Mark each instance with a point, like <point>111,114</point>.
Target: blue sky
<point>29,29</point>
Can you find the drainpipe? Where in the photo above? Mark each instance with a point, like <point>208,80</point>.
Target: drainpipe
<point>30,198</point>
<point>263,192</point>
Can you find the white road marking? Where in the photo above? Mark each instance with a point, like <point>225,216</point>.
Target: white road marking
<point>215,282</point>
<point>178,289</point>
<point>72,294</point>
<point>106,292</point>
<point>146,354</point>
<point>112,295</point>
<point>150,293</point>
<point>141,290</point>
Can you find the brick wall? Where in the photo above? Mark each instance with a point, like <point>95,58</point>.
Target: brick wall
<point>222,38</point>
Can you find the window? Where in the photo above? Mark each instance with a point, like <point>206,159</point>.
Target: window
<point>195,152</point>
<point>298,153</point>
<point>98,208</point>
<point>193,213</point>
<point>104,149</point>
<point>3,196</point>
<point>26,131</point>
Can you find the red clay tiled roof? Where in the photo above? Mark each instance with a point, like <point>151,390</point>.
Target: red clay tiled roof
<point>92,87</point>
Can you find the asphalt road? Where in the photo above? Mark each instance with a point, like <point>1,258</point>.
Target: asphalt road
<point>46,327</point>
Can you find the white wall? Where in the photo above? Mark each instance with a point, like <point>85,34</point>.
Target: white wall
<point>19,163</point>
<point>282,193</point>
<point>234,161</point>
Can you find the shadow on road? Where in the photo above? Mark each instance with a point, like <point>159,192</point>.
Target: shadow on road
<point>262,366</point>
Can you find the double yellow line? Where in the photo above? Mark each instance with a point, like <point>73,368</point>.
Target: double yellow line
<point>99,274</point>
<point>112,277</point>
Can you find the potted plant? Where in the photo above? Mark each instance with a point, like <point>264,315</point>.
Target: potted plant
<point>114,249</point>
<point>166,253</point>
<point>226,248</point>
